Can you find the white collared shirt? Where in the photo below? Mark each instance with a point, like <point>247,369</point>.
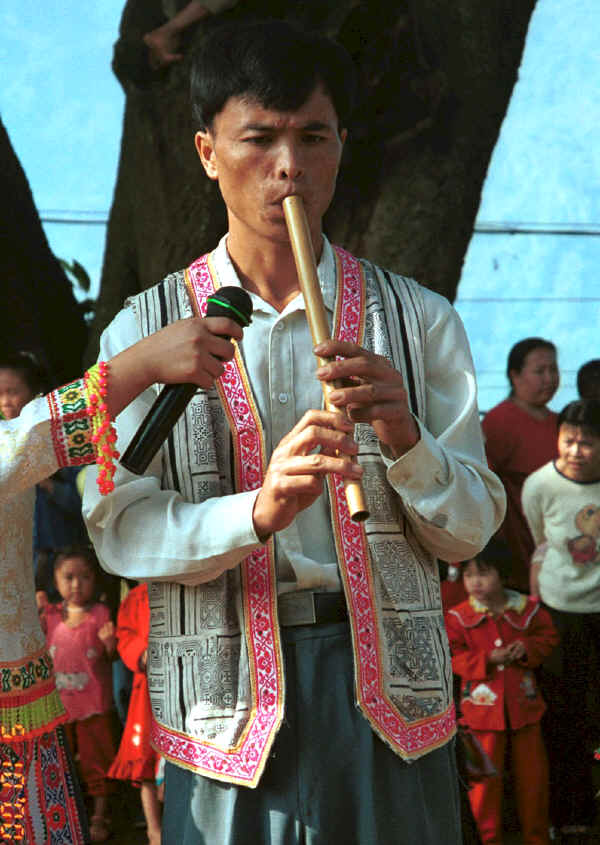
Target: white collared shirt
<point>452,499</point>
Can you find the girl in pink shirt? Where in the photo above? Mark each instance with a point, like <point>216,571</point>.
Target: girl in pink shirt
<point>81,641</point>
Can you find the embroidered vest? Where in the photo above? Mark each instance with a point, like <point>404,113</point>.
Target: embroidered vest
<point>216,673</point>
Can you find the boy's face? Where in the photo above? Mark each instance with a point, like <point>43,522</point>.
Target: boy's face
<point>482,582</point>
<point>259,156</point>
<point>14,393</point>
<point>578,453</point>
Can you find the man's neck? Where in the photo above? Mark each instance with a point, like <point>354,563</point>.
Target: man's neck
<point>266,268</point>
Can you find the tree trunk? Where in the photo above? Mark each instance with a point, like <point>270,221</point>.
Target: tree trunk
<point>436,79</point>
<point>39,312</point>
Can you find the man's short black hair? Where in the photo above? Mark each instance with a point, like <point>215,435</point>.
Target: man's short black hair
<point>273,62</point>
<point>588,379</point>
<point>583,413</point>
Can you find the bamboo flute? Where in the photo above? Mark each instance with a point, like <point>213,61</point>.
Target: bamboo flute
<point>306,266</point>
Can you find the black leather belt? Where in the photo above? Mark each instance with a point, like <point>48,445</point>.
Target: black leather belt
<point>307,608</point>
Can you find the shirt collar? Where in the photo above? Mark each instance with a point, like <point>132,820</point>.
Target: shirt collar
<point>514,601</point>
<point>326,270</point>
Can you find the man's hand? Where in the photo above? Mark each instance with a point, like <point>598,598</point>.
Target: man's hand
<point>295,475</point>
<point>374,393</point>
<point>191,350</point>
<point>188,351</point>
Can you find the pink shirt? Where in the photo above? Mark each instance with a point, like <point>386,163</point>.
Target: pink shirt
<point>81,665</point>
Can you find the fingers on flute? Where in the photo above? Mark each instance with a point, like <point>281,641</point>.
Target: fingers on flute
<point>316,420</point>
<point>328,440</point>
<point>362,365</point>
<point>381,400</point>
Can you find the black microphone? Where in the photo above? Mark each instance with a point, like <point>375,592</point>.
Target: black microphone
<point>232,302</point>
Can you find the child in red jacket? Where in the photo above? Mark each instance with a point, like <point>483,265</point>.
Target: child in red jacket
<point>497,637</point>
<point>136,760</point>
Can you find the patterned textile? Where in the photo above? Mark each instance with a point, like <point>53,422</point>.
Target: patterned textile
<point>40,803</point>
<point>199,669</point>
<point>29,702</point>
<point>71,427</point>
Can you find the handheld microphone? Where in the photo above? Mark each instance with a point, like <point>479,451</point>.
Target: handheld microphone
<point>232,302</point>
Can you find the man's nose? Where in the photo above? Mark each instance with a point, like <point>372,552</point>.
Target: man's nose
<point>289,161</point>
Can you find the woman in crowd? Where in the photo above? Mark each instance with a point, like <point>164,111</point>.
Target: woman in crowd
<point>520,436</point>
<point>562,505</point>
<point>39,798</point>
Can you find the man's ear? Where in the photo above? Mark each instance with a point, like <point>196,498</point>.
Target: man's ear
<point>205,147</point>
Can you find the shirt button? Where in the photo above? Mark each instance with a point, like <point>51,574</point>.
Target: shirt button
<point>501,667</point>
<point>498,643</point>
<point>283,397</point>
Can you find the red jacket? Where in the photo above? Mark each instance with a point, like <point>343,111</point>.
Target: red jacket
<point>135,760</point>
<point>495,697</point>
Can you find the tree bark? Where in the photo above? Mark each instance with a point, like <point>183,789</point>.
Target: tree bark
<point>39,312</point>
<point>436,79</point>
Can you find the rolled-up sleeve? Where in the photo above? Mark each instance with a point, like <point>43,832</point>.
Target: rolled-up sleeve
<point>143,532</point>
<point>451,497</point>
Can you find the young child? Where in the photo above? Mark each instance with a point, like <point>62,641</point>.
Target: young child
<point>21,378</point>
<point>81,641</point>
<point>136,760</point>
<point>497,637</point>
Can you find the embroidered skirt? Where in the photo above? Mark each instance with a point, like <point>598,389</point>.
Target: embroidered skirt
<point>40,801</point>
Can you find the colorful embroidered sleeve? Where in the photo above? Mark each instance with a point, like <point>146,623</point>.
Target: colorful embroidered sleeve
<point>70,425</point>
<point>50,431</point>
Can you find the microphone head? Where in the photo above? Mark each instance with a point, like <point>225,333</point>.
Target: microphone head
<point>232,302</point>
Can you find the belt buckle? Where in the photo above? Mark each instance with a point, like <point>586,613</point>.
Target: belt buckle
<point>297,609</point>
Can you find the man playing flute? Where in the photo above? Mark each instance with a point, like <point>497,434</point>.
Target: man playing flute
<point>298,665</point>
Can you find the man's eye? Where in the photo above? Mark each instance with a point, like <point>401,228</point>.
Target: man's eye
<point>314,139</point>
<point>258,140</point>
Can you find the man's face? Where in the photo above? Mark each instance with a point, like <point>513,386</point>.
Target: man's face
<point>578,453</point>
<point>259,156</point>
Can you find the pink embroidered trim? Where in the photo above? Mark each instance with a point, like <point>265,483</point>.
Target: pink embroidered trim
<point>245,762</point>
<point>407,740</point>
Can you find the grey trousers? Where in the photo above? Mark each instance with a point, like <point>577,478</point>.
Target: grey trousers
<point>329,778</point>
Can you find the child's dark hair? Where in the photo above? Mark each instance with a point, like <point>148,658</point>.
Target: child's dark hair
<point>520,351</point>
<point>588,379</point>
<point>497,555</point>
<point>44,575</point>
<point>88,554</point>
<point>27,366</point>
<point>584,413</point>
<point>273,62</point>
